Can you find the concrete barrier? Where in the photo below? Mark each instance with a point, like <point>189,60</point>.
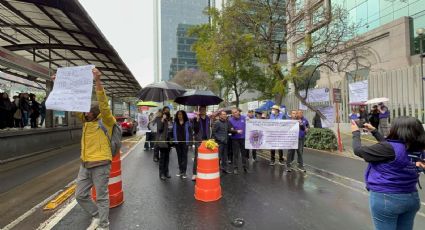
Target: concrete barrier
<point>20,143</point>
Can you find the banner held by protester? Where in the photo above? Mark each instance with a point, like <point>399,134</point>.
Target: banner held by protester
<point>271,134</point>
<point>72,90</point>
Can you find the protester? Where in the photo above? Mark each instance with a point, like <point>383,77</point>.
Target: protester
<point>154,126</point>
<point>6,111</point>
<point>392,175</point>
<point>276,115</point>
<point>182,132</point>
<point>25,107</point>
<point>35,111</point>
<point>384,115</point>
<point>96,160</point>
<point>202,131</point>
<point>317,121</point>
<point>17,115</point>
<point>238,140</point>
<point>354,115</point>
<point>251,115</point>
<point>304,125</point>
<point>163,138</point>
<point>42,111</point>
<point>220,133</point>
<point>374,117</point>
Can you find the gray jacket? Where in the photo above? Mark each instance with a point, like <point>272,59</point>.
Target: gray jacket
<point>221,130</point>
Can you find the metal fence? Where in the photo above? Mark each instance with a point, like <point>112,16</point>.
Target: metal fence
<point>402,86</point>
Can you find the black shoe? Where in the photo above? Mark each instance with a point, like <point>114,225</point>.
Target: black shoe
<point>245,169</point>
<point>235,171</point>
<point>289,169</point>
<point>168,176</point>
<point>162,177</point>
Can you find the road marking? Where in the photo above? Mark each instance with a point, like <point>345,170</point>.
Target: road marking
<point>57,216</point>
<point>364,192</point>
<point>61,213</point>
<point>32,210</point>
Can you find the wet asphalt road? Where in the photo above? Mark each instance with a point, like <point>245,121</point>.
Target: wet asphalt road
<point>27,182</point>
<point>265,198</point>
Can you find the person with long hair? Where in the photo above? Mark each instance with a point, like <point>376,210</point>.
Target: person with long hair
<point>393,173</point>
<point>182,132</point>
<point>163,138</point>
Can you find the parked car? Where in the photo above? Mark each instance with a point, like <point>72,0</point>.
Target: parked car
<point>128,125</point>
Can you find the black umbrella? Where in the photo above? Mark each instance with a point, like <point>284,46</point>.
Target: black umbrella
<point>161,91</point>
<point>198,97</point>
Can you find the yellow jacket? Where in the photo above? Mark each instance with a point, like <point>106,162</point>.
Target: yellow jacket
<point>94,143</point>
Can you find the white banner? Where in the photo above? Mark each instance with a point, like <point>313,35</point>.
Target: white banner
<point>316,95</point>
<point>329,113</point>
<point>358,91</point>
<point>253,105</point>
<point>72,89</point>
<point>271,134</point>
<point>143,121</point>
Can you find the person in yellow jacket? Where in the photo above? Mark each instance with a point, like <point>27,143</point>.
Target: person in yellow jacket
<point>96,158</point>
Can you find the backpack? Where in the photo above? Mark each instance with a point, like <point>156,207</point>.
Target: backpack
<point>115,138</point>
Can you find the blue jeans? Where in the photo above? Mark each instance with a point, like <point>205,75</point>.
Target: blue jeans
<point>394,211</point>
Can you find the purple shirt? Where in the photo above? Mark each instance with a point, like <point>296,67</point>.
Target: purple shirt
<point>238,124</point>
<point>306,125</point>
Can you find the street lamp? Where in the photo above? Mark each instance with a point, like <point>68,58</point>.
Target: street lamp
<point>421,32</point>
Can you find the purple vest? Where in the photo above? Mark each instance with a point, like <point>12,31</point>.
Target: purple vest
<point>398,176</point>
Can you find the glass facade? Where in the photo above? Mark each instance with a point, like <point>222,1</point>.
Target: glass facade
<point>186,58</point>
<point>173,13</point>
<point>371,14</point>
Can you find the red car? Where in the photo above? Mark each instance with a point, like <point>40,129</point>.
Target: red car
<point>128,125</point>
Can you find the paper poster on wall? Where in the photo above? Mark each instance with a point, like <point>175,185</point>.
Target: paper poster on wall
<point>72,89</point>
<point>358,91</point>
<point>271,134</point>
<point>329,113</point>
<point>316,95</point>
<point>253,105</point>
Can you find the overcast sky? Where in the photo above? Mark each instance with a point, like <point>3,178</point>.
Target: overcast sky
<point>128,26</point>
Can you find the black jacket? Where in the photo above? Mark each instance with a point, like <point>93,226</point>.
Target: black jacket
<point>221,130</point>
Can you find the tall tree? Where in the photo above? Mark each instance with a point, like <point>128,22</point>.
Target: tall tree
<point>224,49</point>
<point>273,23</point>
<point>196,79</point>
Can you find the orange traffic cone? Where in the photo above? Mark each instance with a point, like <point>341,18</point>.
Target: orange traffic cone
<point>116,195</point>
<point>207,186</point>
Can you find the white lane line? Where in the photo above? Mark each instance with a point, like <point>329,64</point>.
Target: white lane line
<point>33,209</point>
<point>57,216</point>
<point>364,192</point>
<point>61,213</point>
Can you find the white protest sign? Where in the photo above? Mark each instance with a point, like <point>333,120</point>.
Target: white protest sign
<point>143,121</point>
<point>329,113</point>
<point>316,95</point>
<point>271,134</point>
<point>253,105</point>
<point>358,91</point>
<point>72,89</point>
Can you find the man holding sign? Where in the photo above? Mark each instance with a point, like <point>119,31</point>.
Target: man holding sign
<point>96,156</point>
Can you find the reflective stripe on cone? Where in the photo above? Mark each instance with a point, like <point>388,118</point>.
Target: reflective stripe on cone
<point>208,176</point>
<point>207,156</point>
<point>114,180</point>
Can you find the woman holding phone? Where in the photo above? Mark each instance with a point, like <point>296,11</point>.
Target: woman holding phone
<point>393,174</point>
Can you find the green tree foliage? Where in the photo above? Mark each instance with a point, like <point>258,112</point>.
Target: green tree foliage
<point>224,49</point>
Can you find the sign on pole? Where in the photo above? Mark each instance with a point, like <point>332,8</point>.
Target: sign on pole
<point>143,121</point>
<point>72,89</point>
<point>271,134</point>
<point>336,93</point>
